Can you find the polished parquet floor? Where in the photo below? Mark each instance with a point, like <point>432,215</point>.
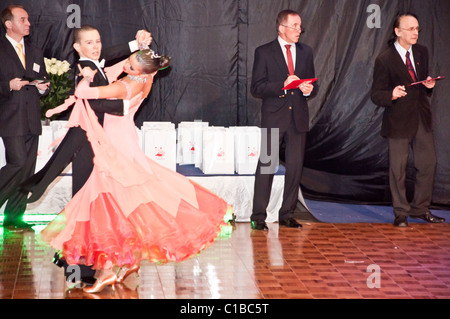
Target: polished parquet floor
<point>321,261</point>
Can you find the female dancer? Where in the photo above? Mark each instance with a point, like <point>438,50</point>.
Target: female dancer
<point>131,208</point>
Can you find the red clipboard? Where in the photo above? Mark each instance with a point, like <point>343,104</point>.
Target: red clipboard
<point>436,79</point>
<point>296,83</point>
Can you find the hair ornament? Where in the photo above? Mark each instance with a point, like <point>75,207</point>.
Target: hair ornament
<point>152,54</point>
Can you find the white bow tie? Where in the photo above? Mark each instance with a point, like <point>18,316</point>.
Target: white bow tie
<point>102,63</point>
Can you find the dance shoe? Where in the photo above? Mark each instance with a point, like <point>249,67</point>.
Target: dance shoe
<point>290,222</point>
<point>124,272</point>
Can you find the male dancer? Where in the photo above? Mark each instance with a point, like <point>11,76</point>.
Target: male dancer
<point>75,146</point>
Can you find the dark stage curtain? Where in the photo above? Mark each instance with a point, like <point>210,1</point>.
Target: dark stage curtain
<point>212,43</point>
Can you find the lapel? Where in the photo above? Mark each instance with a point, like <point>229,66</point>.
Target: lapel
<point>29,61</point>
<point>298,59</point>
<point>419,63</point>
<point>11,51</point>
<point>280,60</point>
<point>279,57</point>
<point>400,66</point>
<point>99,79</point>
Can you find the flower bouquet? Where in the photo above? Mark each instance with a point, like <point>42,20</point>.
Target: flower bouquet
<point>61,84</point>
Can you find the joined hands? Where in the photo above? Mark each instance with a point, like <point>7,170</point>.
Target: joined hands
<point>144,39</point>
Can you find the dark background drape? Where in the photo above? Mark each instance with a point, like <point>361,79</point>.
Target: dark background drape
<point>212,43</point>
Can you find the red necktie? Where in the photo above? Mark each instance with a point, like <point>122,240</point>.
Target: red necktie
<point>410,67</point>
<point>289,59</point>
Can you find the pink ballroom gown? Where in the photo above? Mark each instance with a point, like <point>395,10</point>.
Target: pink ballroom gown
<point>131,208</point>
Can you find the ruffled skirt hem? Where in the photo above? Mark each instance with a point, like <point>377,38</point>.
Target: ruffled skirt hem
<point>110,238</point>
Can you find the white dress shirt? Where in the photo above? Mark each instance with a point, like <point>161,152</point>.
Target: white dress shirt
<point>133,47</point>
<point>15,43</point>
<point>293,50</point>
<point>402,51</point>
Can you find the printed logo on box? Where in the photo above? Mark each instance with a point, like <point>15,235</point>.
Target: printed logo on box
<point>160,153</point>
<point>252,152</point>
<point>221,154</point>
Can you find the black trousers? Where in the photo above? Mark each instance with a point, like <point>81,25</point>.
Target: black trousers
<point>293,157</point>
<point>21,153</point>
<point>423,150</point>
<point>74,148</point>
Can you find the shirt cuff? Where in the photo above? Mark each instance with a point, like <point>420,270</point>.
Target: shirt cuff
<point>126,107</point>
<point>133,45</point>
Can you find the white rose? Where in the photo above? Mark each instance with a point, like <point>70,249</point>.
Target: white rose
<point>53,69</point>
<point>65,67</point>
<point>47,64</point>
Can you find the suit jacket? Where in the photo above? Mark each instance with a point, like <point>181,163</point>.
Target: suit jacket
<point>75,146</point>
<point>401,117</point>
<point>20,111</point>
<point>269,73</point>
<point>114,107</point>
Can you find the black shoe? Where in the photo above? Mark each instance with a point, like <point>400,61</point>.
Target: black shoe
<point>401,221</point>
<point>259,225</point>
<point>290,222</point>
<point>87,273</point>
<point>17,226</point>
<point>88,280</point>
<point>429,217</point>
<point>34,197</point>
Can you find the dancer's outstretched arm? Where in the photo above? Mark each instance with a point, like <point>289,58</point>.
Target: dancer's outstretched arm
<point>115,90</point>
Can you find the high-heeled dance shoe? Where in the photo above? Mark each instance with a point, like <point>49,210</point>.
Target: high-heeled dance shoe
<point>124,272</point>
<point>100,284</point>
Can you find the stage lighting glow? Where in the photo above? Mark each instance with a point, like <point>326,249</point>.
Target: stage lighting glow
<point>35,218</point>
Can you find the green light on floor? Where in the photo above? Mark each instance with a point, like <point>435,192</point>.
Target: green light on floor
<point>38,218</point>
<point>35,218</point>
<point>226,231</point>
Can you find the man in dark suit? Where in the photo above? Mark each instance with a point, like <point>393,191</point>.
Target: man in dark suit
<point>75,147</point>
<point>20,112</point>
<point>285,115</point>
<point>407,118</point>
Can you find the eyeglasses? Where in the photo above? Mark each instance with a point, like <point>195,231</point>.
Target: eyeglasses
<point>412,29</point>
<point>297,28</point>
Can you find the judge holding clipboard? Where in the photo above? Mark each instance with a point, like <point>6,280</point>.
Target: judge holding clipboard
<point>284,113</point>
<point>20,112</point>
<point>407,120</point>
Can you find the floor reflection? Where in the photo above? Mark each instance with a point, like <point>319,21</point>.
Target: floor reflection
<point>319,261</point>
<point>17,258</point>
<point>125,290</point>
